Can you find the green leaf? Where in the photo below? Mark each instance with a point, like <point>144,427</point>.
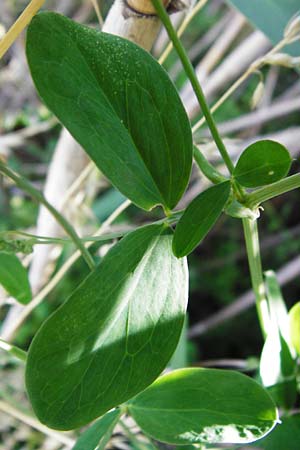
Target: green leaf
<point>118,103</point>
<point>97,436</point>
<point>113,336</point>
<point>286,435</point>
<point>271,17</point>
<point>14,278</point>
<point>204,406</point>
<point>263,162</point>
<point>294,316</point>
<point>199,217</point>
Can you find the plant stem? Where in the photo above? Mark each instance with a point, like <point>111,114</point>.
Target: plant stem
<point>39,197</point>
<point>36,240</point>
<point>163,15</point>
<point>182,28</point>
<point>254,260</point>
<point>22,21</point>
<point>273,190</point>
<point>15,351</point>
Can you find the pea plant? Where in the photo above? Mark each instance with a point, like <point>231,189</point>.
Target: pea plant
<point>101,354</point>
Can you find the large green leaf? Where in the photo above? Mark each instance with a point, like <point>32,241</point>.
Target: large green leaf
<point>14,278</point>
<point>199,217</point>
<point>263,162</point>
<point>97,436</point>
<point>294,316</point>
<point>113,336</point>
<point>204,406</point>
<point>286,435</point>
<point>118,103</point>
<point>271,17</point>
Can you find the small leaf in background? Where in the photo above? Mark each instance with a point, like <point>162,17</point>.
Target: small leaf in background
<point>118,103</point>
<point>14,278</point>
<point>277,364</point>
<point>271,17</point>
<point>294,316</point>
<point>262,163</point>
<point>97,435</point>
<point>199,217</point>
<point>204,406</point>
<point>286,435</point>
<point>113,336</point>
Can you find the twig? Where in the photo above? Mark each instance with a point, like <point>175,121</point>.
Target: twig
<point>16,139</point>
<point>32,422</point>
<point>285,274</point>
<point>98,12</point>
<point>261,116</point>
<point>19,25</point>
<point>203,43</point>
<point>256,65</point>
<point>239,364</point>
<point>39,197</point>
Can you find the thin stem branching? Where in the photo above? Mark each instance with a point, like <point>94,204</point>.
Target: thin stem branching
<point>26,186</point>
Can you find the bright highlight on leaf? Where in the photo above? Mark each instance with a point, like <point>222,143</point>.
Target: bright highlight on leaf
<point>113,336</point>
<point>262,163</point>
<point>14,278</point>
<point>118,103</point>
<point>199,217</point>
<point>207,406</point>
<point>294,316</point>
<point>97,435</point>
<point>277,364</point>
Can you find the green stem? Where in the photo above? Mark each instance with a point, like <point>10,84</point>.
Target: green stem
<point>11,237</point>
<point>207,168</point>
<point>254,260</point>
<point>35,239</point>
<point>39,197</point>
<point>273,190</point>
<point>15,351</point>
<point>188,67</point>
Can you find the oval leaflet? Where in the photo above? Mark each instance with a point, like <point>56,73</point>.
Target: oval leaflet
<point>113,336</point>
